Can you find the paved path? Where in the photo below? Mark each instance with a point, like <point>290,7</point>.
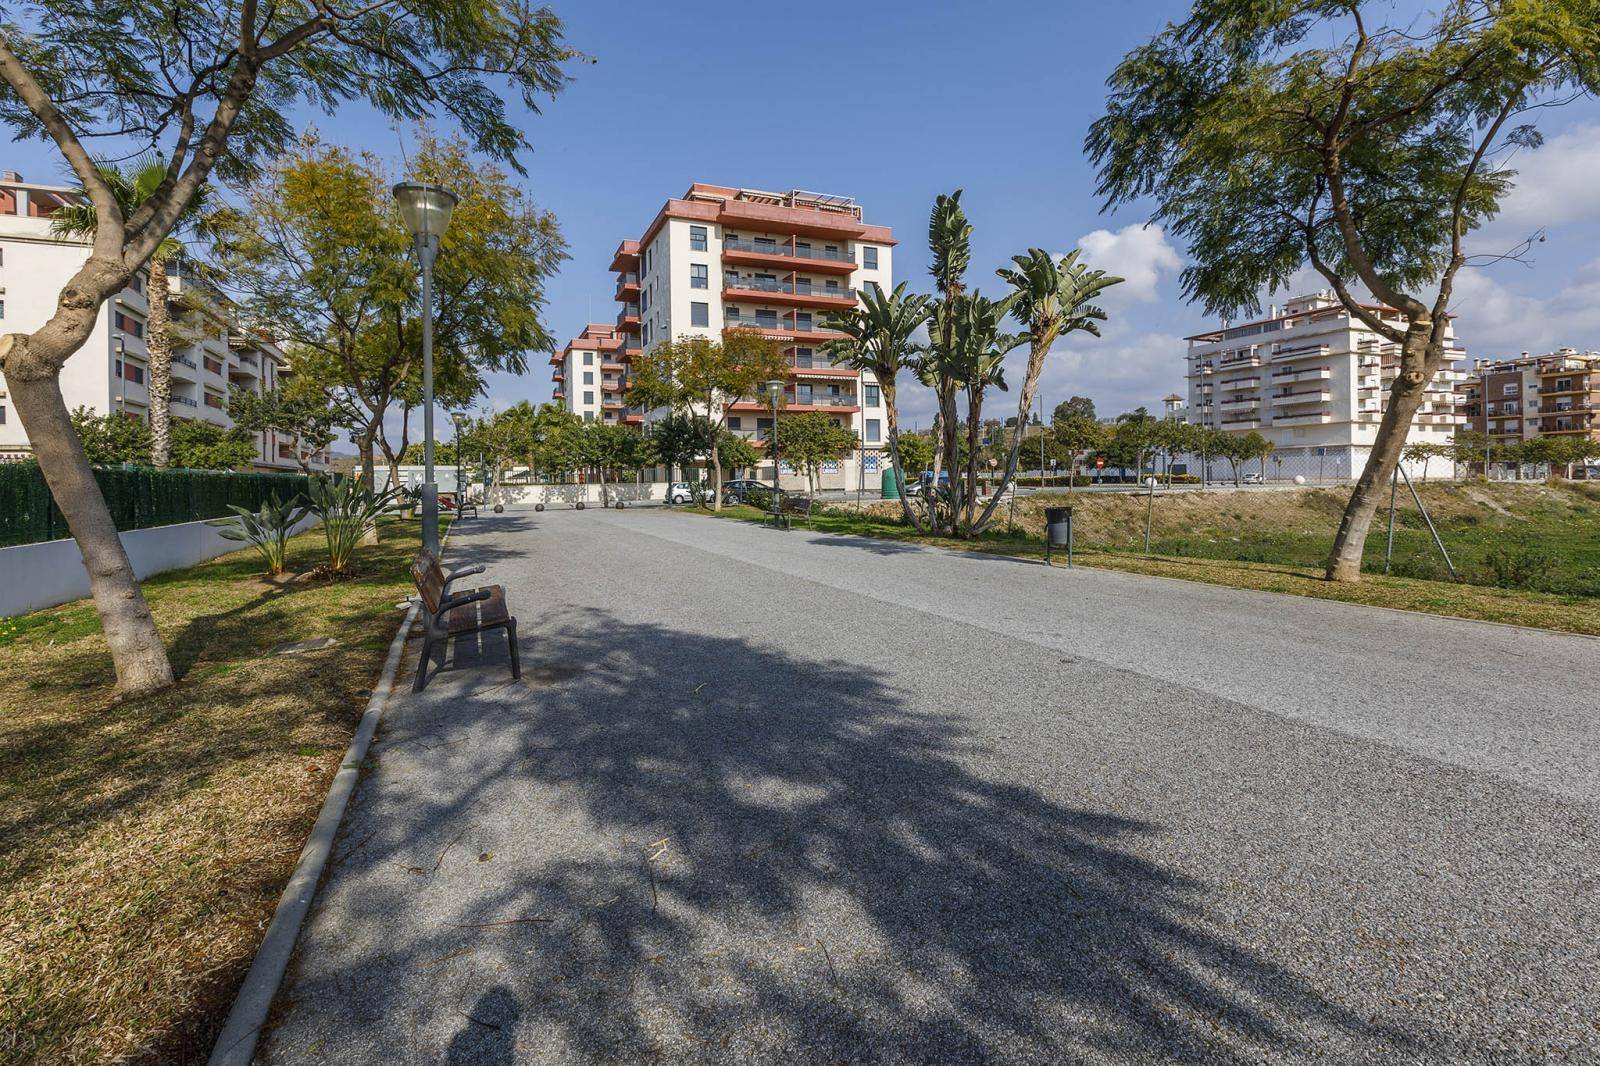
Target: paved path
<point>767,796</point>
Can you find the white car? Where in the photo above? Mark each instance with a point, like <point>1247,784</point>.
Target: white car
<point>1252,479</point>
<point>683,492</point>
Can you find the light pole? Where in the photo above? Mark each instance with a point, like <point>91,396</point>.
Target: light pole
<point>122,372</point>
<point>460,420</point>
<point>425,210</point>
<point>774,394</point>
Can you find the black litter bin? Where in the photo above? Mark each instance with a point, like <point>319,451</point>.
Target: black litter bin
<point>1058,531</point>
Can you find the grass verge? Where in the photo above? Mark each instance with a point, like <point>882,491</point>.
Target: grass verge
<point>1542,610</point>
<point>143,845</point>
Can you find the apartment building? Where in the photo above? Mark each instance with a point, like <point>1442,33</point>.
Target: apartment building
<point>1313,379</point>
<point>720,258</point>
<point>1512,400</point>
<point>591,372</point>
<point>110,373</point>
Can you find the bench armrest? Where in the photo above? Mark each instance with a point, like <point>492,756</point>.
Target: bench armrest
<point>465,571</point>
<point>461,599</point>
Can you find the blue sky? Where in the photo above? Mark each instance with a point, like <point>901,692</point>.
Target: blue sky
<point>894,102</point>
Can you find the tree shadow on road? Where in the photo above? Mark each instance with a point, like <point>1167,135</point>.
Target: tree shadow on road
<point>699,847</point>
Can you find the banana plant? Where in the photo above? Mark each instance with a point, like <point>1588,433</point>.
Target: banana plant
<point>349,511</point>
<point>267,530</point>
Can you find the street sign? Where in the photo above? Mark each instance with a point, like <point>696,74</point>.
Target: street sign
<point>1099,462</point>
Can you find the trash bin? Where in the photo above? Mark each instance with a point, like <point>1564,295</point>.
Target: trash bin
<point>1058,531</point>
<point>890,487</point>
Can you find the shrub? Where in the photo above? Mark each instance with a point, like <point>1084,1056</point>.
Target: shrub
<point>349,511</point>
<point>1519,563</point>
<point>266,530</point>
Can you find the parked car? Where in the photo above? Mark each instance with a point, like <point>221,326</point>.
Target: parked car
<point>683,492</point>
<point>739,489</point>
<point>1252,479</point>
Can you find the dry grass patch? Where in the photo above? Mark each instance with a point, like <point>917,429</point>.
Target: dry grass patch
<point>143,845</point>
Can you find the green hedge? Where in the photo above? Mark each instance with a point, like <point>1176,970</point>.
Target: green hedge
<point>139,497</point>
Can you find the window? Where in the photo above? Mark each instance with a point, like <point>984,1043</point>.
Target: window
<point>869,257</point>
<point>133,373</point>
<point>766,244</point>
<point>766,319</point>
<point>734,422</point>
<point>588,377</point>
<point>874,286</point>
<point>802,394</point>
<point>2,309</point>
<point>874,431</point>
<point>830,466</point>
<point>588,397</point>
<point>1511,390</point>
<point>802,358</point>
<point>763,428</point>
<point>871,394</point>
<point>802,321</point>
<point>213,365</point>
<point>129,325</point>
<point>697,238</point>
<point>213,401</point>
<point>588,359</point>
<point>2,414</point>
<point>698,276</point>
<point>645,339</point>
<point>699,314</point>
<point>870,462</point>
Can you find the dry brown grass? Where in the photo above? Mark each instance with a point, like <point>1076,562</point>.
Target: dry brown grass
<point>143,845</point>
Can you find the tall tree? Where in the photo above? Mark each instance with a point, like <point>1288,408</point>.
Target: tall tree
<point>1072,407</point>
<point>1052,299</point>
<point>809,439</point>
<point>880,336</point>
<point>295,413</point>
<point>703,376</point>
<point>942,364</point>
<point>210,89</point>
<point>1277,135</point>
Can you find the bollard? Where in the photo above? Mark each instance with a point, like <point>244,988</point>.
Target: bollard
<point>1057,531</point>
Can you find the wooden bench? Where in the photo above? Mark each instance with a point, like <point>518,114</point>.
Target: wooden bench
<point>446,614</point>
<point>789,507</point>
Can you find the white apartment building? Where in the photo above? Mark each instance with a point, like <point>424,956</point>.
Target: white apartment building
<point>1313,379</point>
<point>590,373</point>
<point>720,258</point>
<point>110,372</point>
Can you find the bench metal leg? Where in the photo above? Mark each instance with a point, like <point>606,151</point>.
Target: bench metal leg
<point>511,643</point>
<point>422,665</point>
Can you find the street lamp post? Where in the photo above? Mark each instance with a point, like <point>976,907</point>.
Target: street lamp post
<point>460,420</point>
<point>774,394</point>
<point>425,210</point>
<point>122,372</point>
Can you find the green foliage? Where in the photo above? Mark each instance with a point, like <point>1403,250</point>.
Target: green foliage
<point>806,441</point>
<point>916,453</point>
<point>349,510</point>
<point>299,414</point>
<point>266,530</point>
<point>112,439</point>
<point>1075,407</point>
<point>137,498</point>
<point>200,445</point>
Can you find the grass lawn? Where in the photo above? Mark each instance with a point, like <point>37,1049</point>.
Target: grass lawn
<point>1237,529</point>
<point>143,845</point>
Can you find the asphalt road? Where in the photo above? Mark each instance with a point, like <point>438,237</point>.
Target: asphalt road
<point>766,796</point>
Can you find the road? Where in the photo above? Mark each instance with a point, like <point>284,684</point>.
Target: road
<point>774,796</point>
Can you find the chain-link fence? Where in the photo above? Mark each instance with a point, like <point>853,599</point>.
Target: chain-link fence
<point>1537,535</point>
<point>138,498</point>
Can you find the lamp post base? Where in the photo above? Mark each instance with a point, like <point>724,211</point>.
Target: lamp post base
<point>430,517</point>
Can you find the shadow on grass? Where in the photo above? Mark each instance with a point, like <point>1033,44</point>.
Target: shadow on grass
<point>785,860</point>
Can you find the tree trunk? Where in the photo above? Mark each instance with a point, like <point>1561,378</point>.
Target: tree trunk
<point>716,471</point>
<point>1405,396</point>
<point>364,448</point>
<point>31,371</point>
<point>895,464</point>
<point>158,343</point>
<point>974,413</point>
<point>1036,353</point>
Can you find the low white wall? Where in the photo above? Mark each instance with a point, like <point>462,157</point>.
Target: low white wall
<point>567,495</point>
<point>35,576</point>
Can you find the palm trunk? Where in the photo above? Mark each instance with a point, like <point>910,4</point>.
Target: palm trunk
<point>1405,396</point>
<point>952,452</point>
<point>158,343</point>
<point>895,464</point>
<point>31,365</point>
<point>974,412</point>
<point>1036,354</point>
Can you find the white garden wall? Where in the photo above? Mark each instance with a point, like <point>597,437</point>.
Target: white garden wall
<point>35,576</point>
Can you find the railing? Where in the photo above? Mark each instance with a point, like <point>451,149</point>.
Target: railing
<point>185,401</point>
<point>629,278</point>
<point>801,288</point>
<point>763,248</point>
<point>826,401</point>
<point>185,361</point>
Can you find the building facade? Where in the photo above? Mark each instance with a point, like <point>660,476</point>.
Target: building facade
<point>1513,400</point>
<point>110,373</point>
<point>591,372</point>
<point>1314,380</point>
<point>720,258</point>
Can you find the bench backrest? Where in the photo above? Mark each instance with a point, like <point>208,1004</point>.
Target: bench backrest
<point>429,580</point>
<point>797,504</point>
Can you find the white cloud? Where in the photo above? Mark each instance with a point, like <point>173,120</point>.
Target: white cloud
<point>1138,253</point>
<point>1494,320</point>
<point>1554,183</point>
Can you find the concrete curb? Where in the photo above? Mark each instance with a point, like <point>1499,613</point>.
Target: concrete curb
<point>236,1046</point>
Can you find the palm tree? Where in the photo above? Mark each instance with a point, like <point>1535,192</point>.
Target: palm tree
<point>131,187</point>
<point>950,244</point>
<point>878,337</point>
<point>983,351</point>
<point>1052,300</point>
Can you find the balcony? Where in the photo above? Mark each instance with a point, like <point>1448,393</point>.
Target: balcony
<point>628,320</point>
<point>184,401</point>
<point>787,330</point>
<point>1290,399</point>
<point>1240,361</point>
<point>1289,377</point>
<point>628,288</point>
<point>1304,351</point>
<point>794,293</point>
<point>1317,418</point>
<point>791,255</point>
<point>1240,405</point>
<point>1251,382</point>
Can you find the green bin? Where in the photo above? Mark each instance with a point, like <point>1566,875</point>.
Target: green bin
<point>891,487</point>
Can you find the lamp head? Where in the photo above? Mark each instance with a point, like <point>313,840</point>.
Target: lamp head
<point>774,389</point>
<point>425,209</point>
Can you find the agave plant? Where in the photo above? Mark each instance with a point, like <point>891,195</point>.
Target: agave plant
<point>349,511</point>
<point>266,530</point>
